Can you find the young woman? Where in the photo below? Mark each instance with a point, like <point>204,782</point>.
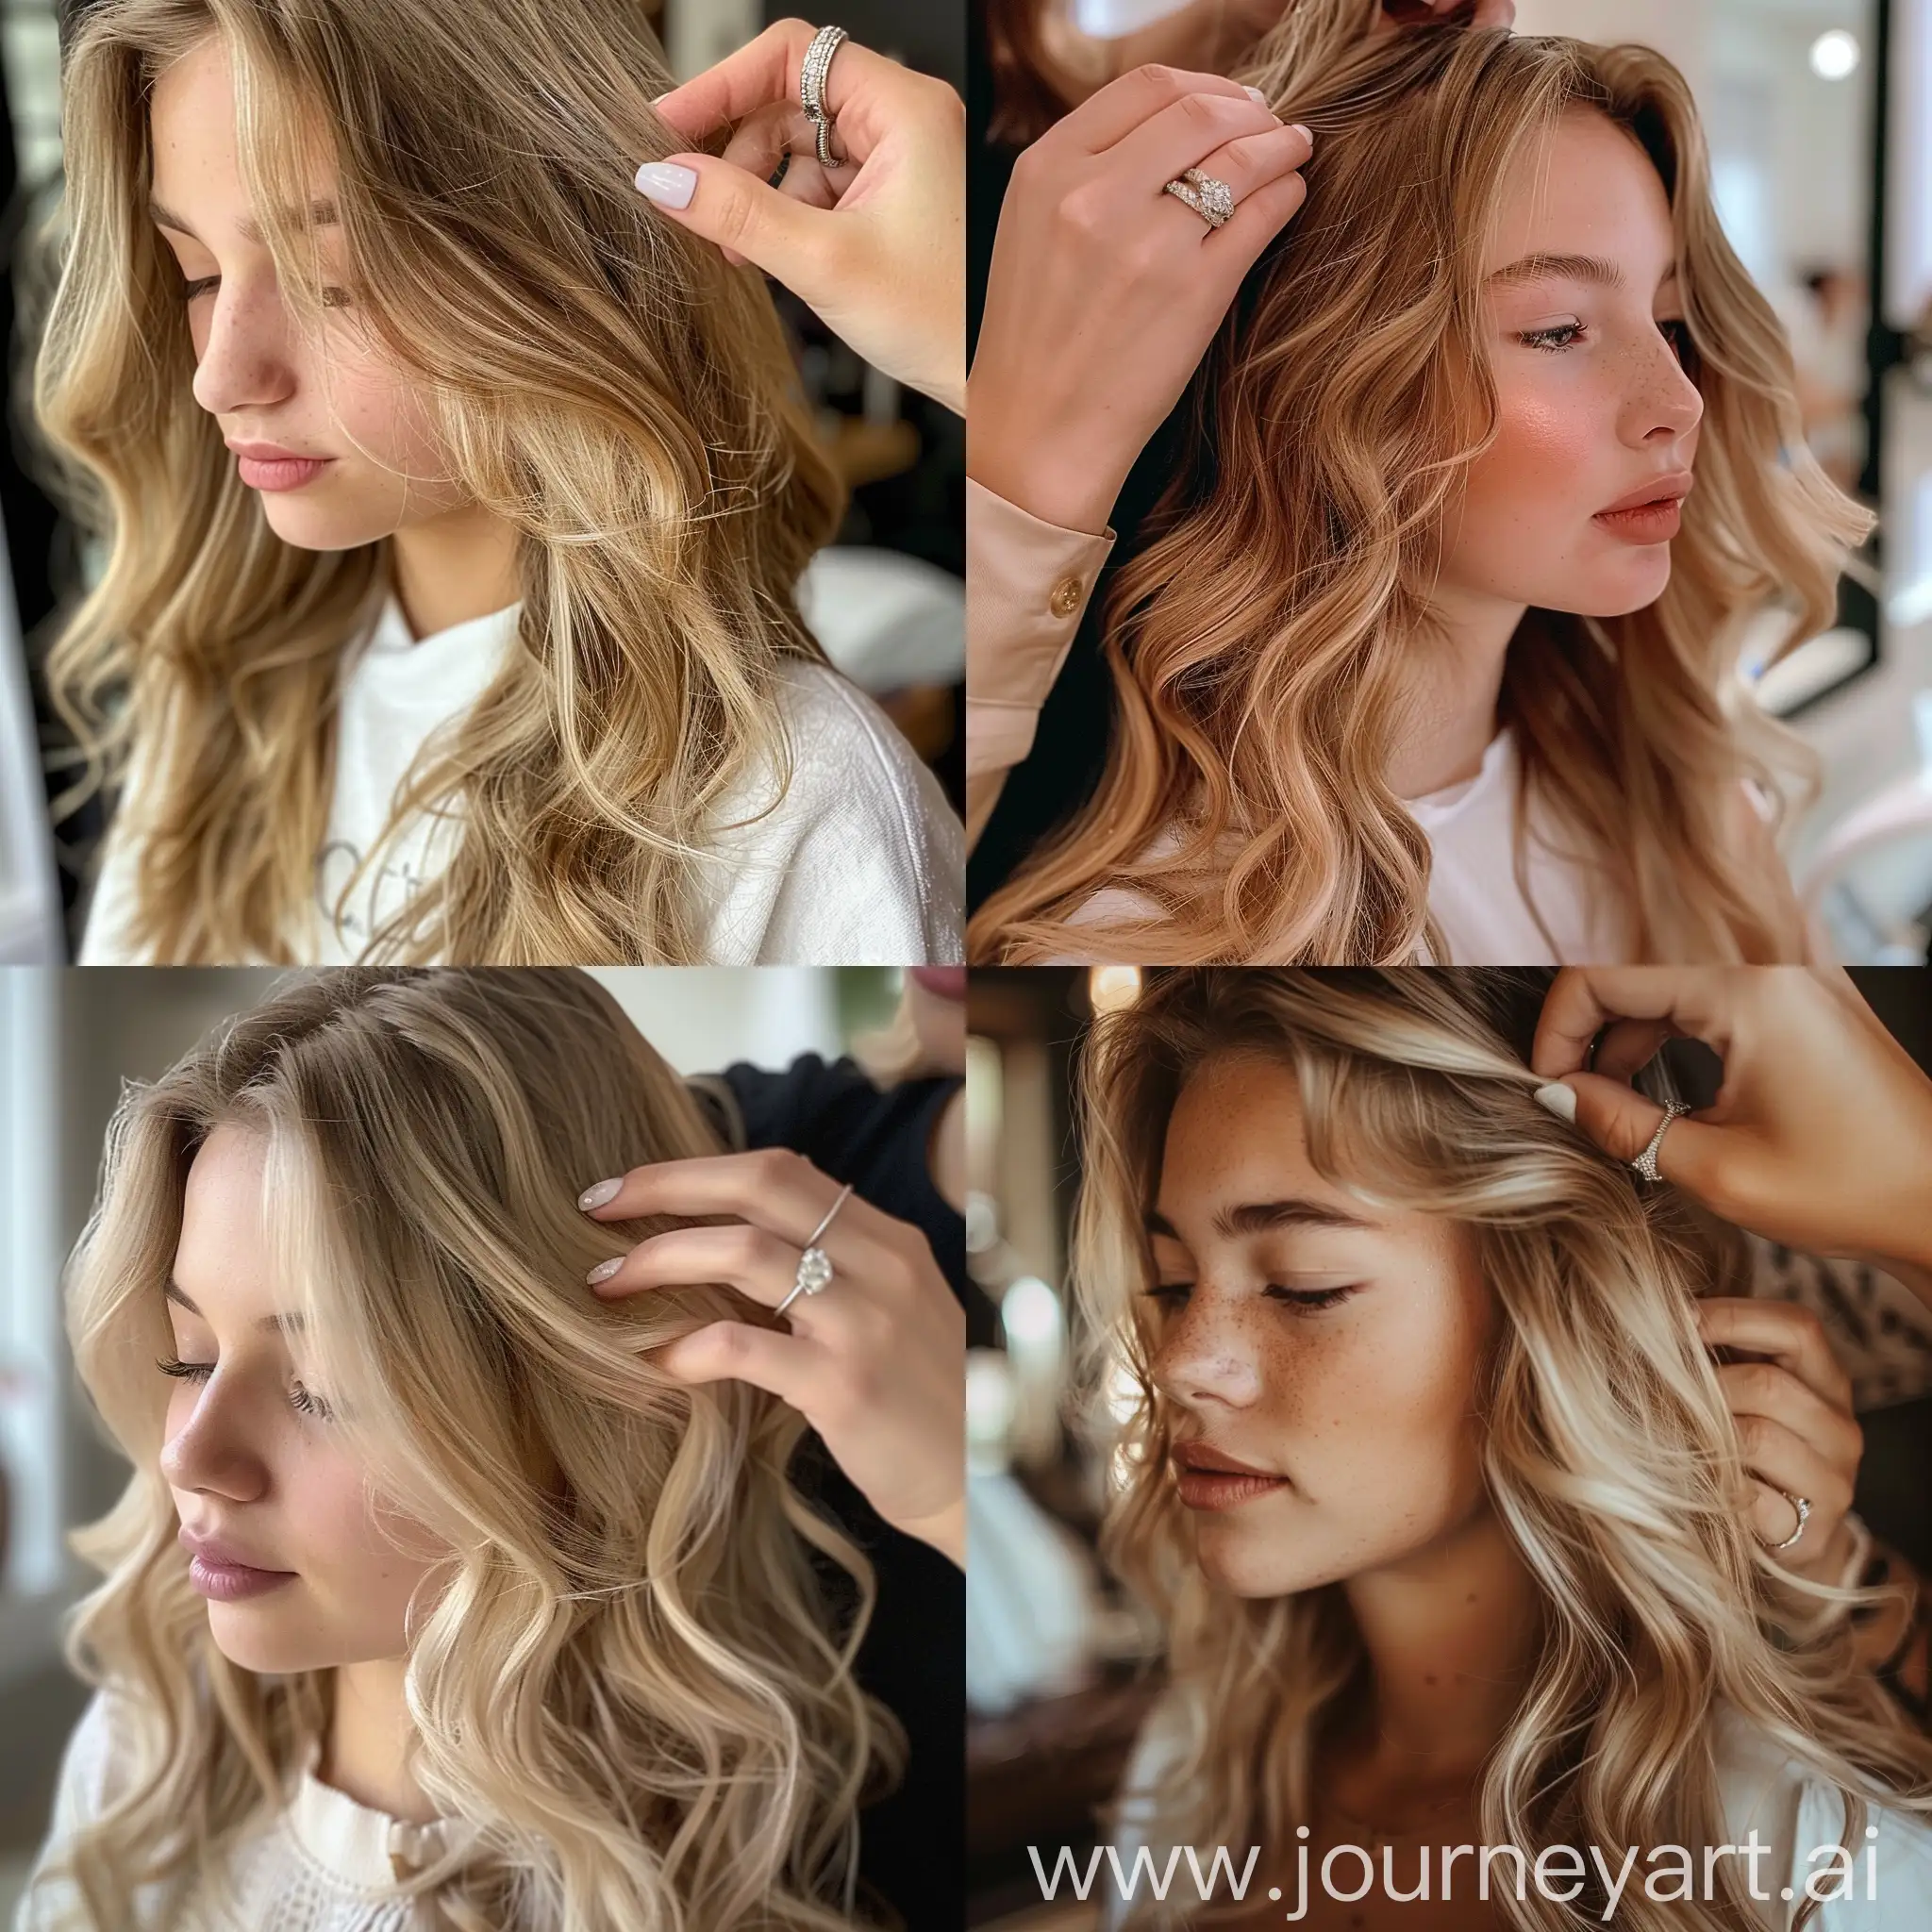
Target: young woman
<point>1430,648</point>
<point>454,501</point>
<point>444,1584</point>
<point>1428,1470</point>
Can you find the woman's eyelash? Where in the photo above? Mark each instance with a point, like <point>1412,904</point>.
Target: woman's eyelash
<point>1678,334</point>
<point>1545,337</point>
<point>304,1400</point>
<point>1301,1301</point>
<point>331,298</point>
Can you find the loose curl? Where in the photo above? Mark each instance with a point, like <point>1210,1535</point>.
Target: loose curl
<point>623,1682</point>
<point>1608,1452</point>
<point>1259,644</point>
<point>598,378</point>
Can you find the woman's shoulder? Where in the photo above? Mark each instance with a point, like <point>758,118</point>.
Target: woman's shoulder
<point>1885,1879</point>
<point>852,855</point>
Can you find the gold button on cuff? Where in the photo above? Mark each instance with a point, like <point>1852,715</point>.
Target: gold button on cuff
<point>1066,596</point>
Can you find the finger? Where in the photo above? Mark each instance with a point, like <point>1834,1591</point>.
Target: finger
<point>1259,218</point>
<point>1779,1399</point>
<point>756,1263</point>
<point>1496,13</point>
<point>1106,117</point>
<point>789,1366</point>
<point>771,1188</point>
<point>767,69</point>
<point>1247,165</point>
<point>1785,1463</point>
<point>1182,136</point>
<point>1794,1337</point>
<point>1620,1120</point>
<point>1582,1000</point>
<point>741,213</point>
<point>1625,1047</point>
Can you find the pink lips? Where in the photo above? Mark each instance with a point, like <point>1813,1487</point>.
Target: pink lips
<point>1653,514</point>
<point>267,466</point>
<point>215,1570</point>
<point>1207,1479</point>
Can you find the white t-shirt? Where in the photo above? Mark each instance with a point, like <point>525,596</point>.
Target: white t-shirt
<point>1793,1812</point>
<point>1473,894</point>
<point>324,1863</point>
<point>862,863</point>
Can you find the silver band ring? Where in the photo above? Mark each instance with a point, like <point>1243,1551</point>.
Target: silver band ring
<point>1645,1162</point>
<point>1211,199</point>
<point>1802,1505</point>
<point>814,1265</point>
<point>812,87</point>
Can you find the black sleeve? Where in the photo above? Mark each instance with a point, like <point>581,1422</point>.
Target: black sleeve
<point>913,1656</point>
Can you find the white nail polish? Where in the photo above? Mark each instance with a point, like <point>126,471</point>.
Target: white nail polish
<point>604,1270</point>
<point>595,1197</point>
<point>667,184</point>
<point>1561,1100</point>
<point>1259,99</point>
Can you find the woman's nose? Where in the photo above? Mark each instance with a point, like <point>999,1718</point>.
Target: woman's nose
<point>1207,1355</point>
<point>213,1449</point>
<point>244,361</point>
<point>1664,402</point>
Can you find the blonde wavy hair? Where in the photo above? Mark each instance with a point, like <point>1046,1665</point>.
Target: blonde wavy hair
<point>624,1680</point>
<point>1259,642</point>
<point>597,377</point>
<point>1608,1452</point>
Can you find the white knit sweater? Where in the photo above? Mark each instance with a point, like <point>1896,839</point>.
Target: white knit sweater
<point>324,1863</point>
<point>859,861</point>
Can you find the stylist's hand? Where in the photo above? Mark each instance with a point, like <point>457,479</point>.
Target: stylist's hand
<point>876,1361</point>
<point>1105,293</point>
<point>1793,1412</point>
<point>1822,1134</point>
<point>875,248</point>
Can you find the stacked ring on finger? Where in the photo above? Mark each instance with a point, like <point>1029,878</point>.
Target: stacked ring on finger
<point>1803,1505</point>
<point>814,1265</point>
<point>1210,199</point>
<point>812,87</point>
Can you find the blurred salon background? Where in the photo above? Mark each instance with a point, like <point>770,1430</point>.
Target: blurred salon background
<point>1820,119</point>
<point>69,1039</point>
<point>1060,1665</point>
<point>887,601</point>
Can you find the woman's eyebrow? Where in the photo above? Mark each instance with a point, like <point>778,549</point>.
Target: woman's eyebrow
<point>322,215</point>
<point>1258,1217</point>
<point>285,1324</point>
<point>1571,268</point>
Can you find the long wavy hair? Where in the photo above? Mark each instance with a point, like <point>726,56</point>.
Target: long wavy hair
<point>1608,1452</point>
<point>1260,642</point>
<point>597,377</point>
<point>624,1681</point>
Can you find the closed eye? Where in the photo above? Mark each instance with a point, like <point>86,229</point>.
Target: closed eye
<point>305,1401</point>
<point>1299,1300</point>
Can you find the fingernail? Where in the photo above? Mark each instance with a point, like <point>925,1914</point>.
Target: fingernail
<point>1303,129</point>
<point>1259,99</point>
<point>604,1270</point>
<point>595,1197</point>
<point>667,184</point>
<point>1561,1100</point>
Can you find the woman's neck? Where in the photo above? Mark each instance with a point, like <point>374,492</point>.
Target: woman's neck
<point>1451,1636</point>
<point>457,566</point>
<point>365,1750</point>
<point>1457,687</point>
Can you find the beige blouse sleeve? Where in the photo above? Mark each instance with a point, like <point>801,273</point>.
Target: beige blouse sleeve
<point>1027,583</point>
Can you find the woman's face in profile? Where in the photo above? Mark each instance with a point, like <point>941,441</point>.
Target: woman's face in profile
<point>1304,1333</point>
<point>338,400</point>
<point>1587,340</point>
<point>251,1453</point>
